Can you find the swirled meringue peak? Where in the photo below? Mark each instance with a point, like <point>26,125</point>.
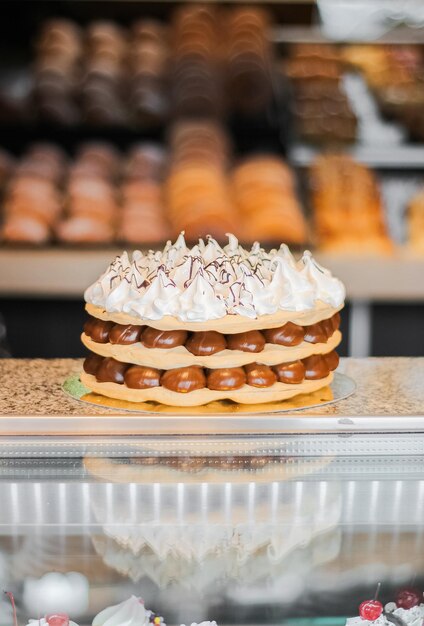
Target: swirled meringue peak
<point>208,282</point>
<point>131,612</point>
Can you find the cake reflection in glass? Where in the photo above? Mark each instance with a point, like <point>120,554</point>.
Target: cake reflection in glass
<point>188,326</point>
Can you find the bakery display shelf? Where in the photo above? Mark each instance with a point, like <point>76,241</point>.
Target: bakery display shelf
<point>384,416</point>
<point>314,34</point>
<point>66,272</point>
<point>394,157</point>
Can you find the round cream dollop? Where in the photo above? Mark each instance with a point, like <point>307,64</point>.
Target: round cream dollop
<point>131,612</point>
<point>411,617</point>
<point>208,282</point>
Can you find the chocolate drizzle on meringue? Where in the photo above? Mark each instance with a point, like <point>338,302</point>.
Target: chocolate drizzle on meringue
<point>208,282</point>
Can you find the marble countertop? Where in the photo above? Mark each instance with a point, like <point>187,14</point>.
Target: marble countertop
<point>385,387</point>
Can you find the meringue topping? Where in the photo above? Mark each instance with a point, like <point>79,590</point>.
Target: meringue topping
<point>208,282</point>
<point>131,612</point>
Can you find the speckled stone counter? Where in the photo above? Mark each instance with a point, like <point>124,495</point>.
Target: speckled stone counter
<point>383,418</point>
<point>385,386</point>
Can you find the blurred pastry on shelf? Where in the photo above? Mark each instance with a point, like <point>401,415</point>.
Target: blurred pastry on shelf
<point>33,201</point>
<point>321,108</point>
<point>394,74</point>
<point>415,222</point>
<point>96,159</point>
<point>348,210</point>
<point>59,51</point>
<point>103,80</point>
<point>145,161</point>
<point>264,193</point>
<point>7,164</point>
<point>91,201</point>
<point>249,57</point>
<point>142,216</point>
<point>196,190</point>
<point>196,74</point>
<point>148,62</point>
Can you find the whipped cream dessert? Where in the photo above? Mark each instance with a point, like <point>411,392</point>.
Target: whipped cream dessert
<point>188,326</point>
<point>407,610</point>
<point>411,617</point>
<point>131,612</point>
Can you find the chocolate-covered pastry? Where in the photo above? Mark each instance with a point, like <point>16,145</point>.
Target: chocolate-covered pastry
<point>335,320</point>
<point>140,377</point>
<point>125,334</point>
<point>88,326</point>
<point>288,335</point>
<point>316,367</point>
<point>153,338</point>
<point>206,343</point>
<point>332,360</point>
<point>315,333</point>
<point>99,331</point>
<point>92,363</point>
<point>252,341</point>
<point>111,371</point>
<point>227,378</point>
<point>327,327</point>
<point>184,379</point>
<point>291,373</point>
<point>259,375</point>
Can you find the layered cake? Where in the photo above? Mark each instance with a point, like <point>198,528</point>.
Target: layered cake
<point>188,326</point>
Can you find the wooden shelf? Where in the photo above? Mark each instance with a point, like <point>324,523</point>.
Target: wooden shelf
<point>65,273</point>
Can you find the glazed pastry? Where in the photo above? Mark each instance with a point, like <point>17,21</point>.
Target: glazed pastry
<point>348,210</point>
<point>91,200</point>
<point>249,56</point>
<point>321,108</point>
<point>196,190</point>
<point>263,190</point>
<point>196,77</point>
<point>142,217</point>
<point>186,327</point>
<point>33,200</point>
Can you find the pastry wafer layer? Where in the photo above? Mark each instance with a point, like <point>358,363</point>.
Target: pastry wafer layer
<point>272,354</point>
<point>245,395</point>
<point>228,324</point>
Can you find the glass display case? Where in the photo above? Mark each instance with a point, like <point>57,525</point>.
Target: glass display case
<point>240,540</point>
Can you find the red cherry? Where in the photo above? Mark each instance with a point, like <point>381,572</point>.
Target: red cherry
<point>59,619</point>
<point>370,610</point>
<point>407,598</point>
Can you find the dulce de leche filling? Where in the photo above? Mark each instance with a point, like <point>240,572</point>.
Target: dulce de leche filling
<point>187,379</point>
<point>210,342</point>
